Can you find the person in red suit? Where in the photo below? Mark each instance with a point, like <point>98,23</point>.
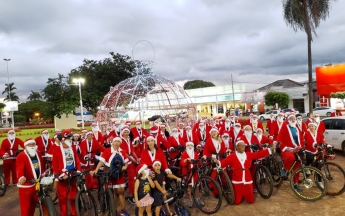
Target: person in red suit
<point>186,165</point>
<point>320,126</point>
<point>336,113</point>
<point>226,127</point>
<point>300,124</point>
<point>163,131</point>
<point>43,144</point>
<point>97,133</point>
<point>120,183</point>
<point>55,132</point>
<point>196,125</point>
<point>235,133</point>
<point>270,122</point>
<point>9,147</point>
<point>276,126</point>
<point>133,160</point>
<point>175,141</point>
<point>65,163</point>
<point>201,135</point>
<point>255,124</point>
<point>227,142</point>
<point>162,143</point>
<point>29,167</point>
<point>139,132</point>
<point>181,130</point>
<point>152,153</point>
<point>108,137</point>
<point>263,140</point>
<point>83,134</point>
<point>313,139</point>
<point>189,135</point>
<point>249,121</point>
<point>290,138</point>
<point>241,162</point>
<point>310,119</point>
<point>89,148</point>
<point>116,132</point>
<point>57,137</point>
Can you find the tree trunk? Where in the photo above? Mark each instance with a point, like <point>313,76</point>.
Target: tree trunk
<point>310,65</point>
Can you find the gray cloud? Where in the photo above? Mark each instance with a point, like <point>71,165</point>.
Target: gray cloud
<point>192,39</point>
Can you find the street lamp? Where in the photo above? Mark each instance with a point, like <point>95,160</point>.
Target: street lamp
<point>79,81</point>
<point>9,90</point>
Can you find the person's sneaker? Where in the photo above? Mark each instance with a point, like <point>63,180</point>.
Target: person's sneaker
<point>200,202</point>
<point>123,213</point>
<point>255,190</point>
<point>190,204</point>
<point>131,200</point>
<point>321,185</point>
<point>283,173</point>
<point>297,188</point>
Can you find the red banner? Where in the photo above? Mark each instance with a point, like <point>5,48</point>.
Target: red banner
<point>330,79</point>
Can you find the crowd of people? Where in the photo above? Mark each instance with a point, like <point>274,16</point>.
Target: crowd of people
<point>141,153</point>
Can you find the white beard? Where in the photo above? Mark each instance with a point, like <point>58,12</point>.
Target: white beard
<point>292,124</point>
<point>237,129</point>
<point>190,152</point>
<point>248,135</point>
<point>317,119</point>
<point>272,119</point>
<point>95,129</point>
<point>138,126</point>
<point>226,143</point>
<point>259,136</point>
<point>31,151</point>
<point>202,128</point>
<point>117,128</point>
<point>68,143</point>
<point>280,119</point>
<point>175,134</point>
<point>299,121</point>
<point>107,132</point>
<point>46,136</point>
<point>227,124</point>
<point>254,121</point>
<point>189,133</point>
<point>11,136</point>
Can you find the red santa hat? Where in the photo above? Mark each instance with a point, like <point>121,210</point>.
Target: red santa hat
<point>138,122</point>
<point>247,126</point>
<point>291,116</point>
<point>162,125</point>
<point>116,122</point>
<point>57,130</point>
<point>128,122</point>
<point>75,134</point>
<point>125,129</point>
<point>117,139</point>
<point>202,122</point>
<point>312,123</point>
<point>141,167</point>
<point>174,129</point>
<point>29,141</point>
<point>154,129</point>
<point>94,124</point>
<point>258,129</point>
<point>83,130</point>
<point>225,134</point>
<point>45,131</point>
<point>150,137</point>
<point>214,129</point>
<point>237,124</point>
<point>181,123</point>
<point>89,132</point>
<point>11,131</point>
<point>188,127</point>
<point>67,133</point>
<point>238,142</point>
<point>156,162</point>
<point>281,112</point>
<point>254,116</point>
<point>189,143</point>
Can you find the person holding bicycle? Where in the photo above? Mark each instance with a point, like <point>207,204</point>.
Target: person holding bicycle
<point>107,158</point>
<point>65,164</point>
<point>9,147</point>
<point>240,163</point>
<point>29,167</point>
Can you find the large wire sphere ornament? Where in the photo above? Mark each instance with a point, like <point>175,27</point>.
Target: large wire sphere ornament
<point>153,48</point>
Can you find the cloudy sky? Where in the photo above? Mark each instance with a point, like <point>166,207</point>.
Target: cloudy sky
<point>194,39</point>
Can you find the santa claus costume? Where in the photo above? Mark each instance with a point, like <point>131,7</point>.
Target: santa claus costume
<point>9,148</point>
<point>320,126</point>
<point>140,133</point>
<point>270,122</point>
<point>226,127</point>
<point>182,131</point>
<point>116,132</point>
<point>313,139</point>
<point>57,141</point>
<point>43,144</point>
<point>201,136</point>
<point>161,142</point>
<point>175,141</point>
<point>241,178</point>
<point>236,133</point>
<point>186,164</point>
<point>189,135</point>
<point>263,140</point>
<point>89,148</point>
<point>29,167</point>
<point>255,123</point>
<point>65,163</point>
<point>277,125</point>
<point>97,133</point>
<point>301,126</point>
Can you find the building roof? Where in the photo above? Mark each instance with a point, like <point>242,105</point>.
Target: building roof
<point>280,84</point>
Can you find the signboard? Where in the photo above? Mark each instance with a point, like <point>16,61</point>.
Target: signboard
<point>330,79</point>
<point>11,106</point>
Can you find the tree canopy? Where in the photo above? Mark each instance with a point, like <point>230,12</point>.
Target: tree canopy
<point>340,95</point>
<point>10,94</point>
<point>193,84</point>
<point>280,98</point>
<point>29,108</point>
<point>34,96</point>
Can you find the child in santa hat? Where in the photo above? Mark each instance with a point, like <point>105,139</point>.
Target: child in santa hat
<point>159,192</point>
<point>142,189</point>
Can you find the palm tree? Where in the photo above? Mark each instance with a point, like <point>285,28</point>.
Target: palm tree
<point>11,88</point>
<point>34,96</point>
<point>305,15</point>
<point>14,97</point>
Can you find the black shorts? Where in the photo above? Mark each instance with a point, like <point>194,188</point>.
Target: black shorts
<point>158,197</point>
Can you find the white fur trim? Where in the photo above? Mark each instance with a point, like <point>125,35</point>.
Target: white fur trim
<point>28,142</point>
<point>150,137</point>
<point>190,143</point>
<point>142,168</point>
<point>11,131</point>
<point>156,162</point>
<point>118,139</point>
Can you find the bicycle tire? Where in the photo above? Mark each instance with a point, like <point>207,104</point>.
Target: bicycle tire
<point>181,209</point>
<point>204,182</point>
<point>307,183</point>
<point>52,193</point>
<point>111,202</point>
<point>47,207</point>
<point>3,186</point>
<point>170,187</point>
<point>228,189</point>
<point>264,177</point>
<point>83,205</point>
<point>275,167</point>
<point>332,189</point>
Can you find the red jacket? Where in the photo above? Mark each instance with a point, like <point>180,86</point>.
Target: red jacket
<point>253,140</point>
<point>286,139</point>
<point>210,149</point>
<point>258,125</point>
<point>114,134</point>
<point>310,140</point>
<point>148,159</point>
<point>303,127</point>
<point>42,148</point>
<point>25,168</point>
<point>235,137</point>
<point>321,127</point>
<point>241,170</point>
<point>264,140</point>
<point>275,129</point>
<point>225,130</point>
<point>59,162</point>
<point>188,166</point>
<point>128,148</point>
<point>99,137</point>
<point>200,138</point>
<point>110,153</point>
<point>10,148</point>
<point>269,125</point>
<point>84,146</point>
<point>142,134</point>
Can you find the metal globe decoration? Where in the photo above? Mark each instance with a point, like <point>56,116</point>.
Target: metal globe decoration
<point>147,97</point>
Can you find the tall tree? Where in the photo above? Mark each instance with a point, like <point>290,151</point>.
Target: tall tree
<point>34,96</point>
<point>13,97</point>
<point>11,88</point>
<point>99,77</point>
<point>280,98</point>
<point>305,15</point>
<point>193,84</point>
<point>29,108</point>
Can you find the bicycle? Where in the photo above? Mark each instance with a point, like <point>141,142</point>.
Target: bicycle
<point>85,202</point>
<point>105,194</point>
<point>274,163</point>
<point>263,178</point>
<point>45,203</point>
<point>334,173</point>
<point>180,207</point>
<point>49,171</point>
<point>3,186</point>
<point>310,178</point>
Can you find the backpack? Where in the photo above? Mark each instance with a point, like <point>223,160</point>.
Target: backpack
<point>116,165</point>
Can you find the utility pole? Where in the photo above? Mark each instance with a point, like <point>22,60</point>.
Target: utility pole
<point>9,91</point>
<point>233,93</point>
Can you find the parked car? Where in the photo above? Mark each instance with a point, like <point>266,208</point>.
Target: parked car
<point>335,132</point>
<point>323,111</point>
<point>287,111</point>
<point>267,115</point>
<point>155,117</point>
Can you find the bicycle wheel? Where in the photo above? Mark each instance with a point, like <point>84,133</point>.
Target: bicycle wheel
<point>275,165</point>
<point>207,195</point>
<point>170,187</point>
<point>50,191</point>
<point>85,203</point>
<point>335,175</point>
<point>263,181</point>
<point>226,186</point>
<point>3,186</point>
<point>47,207</point>
<point>111,204</point>
<point>181,209</point>
<point>312,182</point>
